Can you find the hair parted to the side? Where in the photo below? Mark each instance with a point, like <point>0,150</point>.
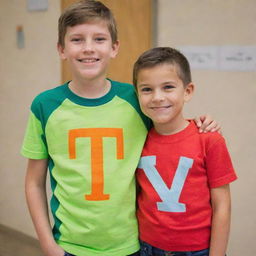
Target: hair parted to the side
<point>163,55</point>
<point>82,12</point>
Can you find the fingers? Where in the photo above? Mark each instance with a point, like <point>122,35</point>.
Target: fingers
<point>206,123</point>
<point>203,121</point>
<point>198,122</point>
<point>217,128</point>
<point>209,126</point>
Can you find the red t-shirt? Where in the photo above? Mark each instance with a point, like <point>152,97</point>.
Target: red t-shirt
<point>175,174</point>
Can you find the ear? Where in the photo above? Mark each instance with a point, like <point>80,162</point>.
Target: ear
<point>61,51</point>
<point>189,91</point>
<point>115,49</point>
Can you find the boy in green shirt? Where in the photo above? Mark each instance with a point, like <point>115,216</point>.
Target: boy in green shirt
<point>89,132</point>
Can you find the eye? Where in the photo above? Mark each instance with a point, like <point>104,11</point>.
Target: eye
<point>76,39</point>
<point>169,87</point>
<point>146,89</point>
<point>100,39</point>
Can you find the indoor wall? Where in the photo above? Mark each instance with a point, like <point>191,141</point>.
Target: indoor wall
<point>229,96</point>
<point>24,72</point>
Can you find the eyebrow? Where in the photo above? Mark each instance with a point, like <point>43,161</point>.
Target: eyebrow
<point>169,82</point>
<point>141,85</point>
<point>164,83</point>
<point>102,34</point>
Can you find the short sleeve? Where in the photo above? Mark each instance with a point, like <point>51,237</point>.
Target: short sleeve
<point>34,145</point>
<point>219,166</point>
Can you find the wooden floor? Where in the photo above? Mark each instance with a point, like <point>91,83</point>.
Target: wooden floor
<point>13,243</point>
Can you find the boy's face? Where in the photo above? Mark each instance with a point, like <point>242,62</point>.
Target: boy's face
<point>88,49</point>
<point>162,94</point>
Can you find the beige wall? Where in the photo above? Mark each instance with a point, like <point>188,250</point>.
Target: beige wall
<point>229,96</point>
<point>23,74</point>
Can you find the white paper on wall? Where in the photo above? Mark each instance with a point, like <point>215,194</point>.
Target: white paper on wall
<point>227,58</point>
<point>37,5</point>
<point>240,58</point>
<point>201,57</point>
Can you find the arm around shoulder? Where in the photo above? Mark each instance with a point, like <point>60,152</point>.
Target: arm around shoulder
<point>35,189</point>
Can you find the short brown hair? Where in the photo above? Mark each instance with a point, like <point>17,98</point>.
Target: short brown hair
<point>163,55</point>
<point>82,12</point>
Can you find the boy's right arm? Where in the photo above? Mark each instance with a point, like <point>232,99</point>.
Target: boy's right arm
<point>35,188</point>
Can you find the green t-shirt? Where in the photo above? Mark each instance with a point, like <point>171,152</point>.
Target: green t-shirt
<point>93,147</point>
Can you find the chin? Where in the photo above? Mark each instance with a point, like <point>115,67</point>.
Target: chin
<point>90,75</point>
<point>161,121</point>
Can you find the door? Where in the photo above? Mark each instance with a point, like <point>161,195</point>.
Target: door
<point>134,25</point>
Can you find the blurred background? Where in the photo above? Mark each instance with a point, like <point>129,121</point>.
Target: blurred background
<point>219,37</point>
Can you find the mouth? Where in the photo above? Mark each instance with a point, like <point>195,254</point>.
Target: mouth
<point>160,107</point>
<point>88,60</point>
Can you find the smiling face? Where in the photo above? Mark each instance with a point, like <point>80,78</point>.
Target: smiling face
<point>88,49</point>
<point>162,95</point>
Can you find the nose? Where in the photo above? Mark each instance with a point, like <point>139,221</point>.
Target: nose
<point>87,46</point>
<point>157,96</point>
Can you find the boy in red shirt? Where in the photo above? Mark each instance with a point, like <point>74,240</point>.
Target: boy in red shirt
<point>184,199</point>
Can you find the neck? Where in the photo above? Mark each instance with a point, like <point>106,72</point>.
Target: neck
<point>172,127</point>
<point>90,88</point>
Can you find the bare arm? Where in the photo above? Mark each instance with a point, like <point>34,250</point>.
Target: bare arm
<point>35,188</point>
<point>221,204</point>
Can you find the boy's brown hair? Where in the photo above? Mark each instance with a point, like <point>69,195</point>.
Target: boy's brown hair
<point>82,12</point>
<point>163,55</point>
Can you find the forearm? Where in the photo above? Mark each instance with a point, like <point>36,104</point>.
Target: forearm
<point>35,189</point>
<point>38,208</point>
<point>221,204</point>
<point>219,234</point>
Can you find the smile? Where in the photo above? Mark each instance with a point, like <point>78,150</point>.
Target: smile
<point>88,60</point>
<point>161,107</point>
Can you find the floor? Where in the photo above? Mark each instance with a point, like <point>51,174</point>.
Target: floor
<point>13,243</point>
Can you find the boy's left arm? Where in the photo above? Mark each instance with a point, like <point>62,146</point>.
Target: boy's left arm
<point>221,205</point>
<point>206,123</point>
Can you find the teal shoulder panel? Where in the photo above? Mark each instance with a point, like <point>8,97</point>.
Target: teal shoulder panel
<point>127,92</point>
<point>46,102</point>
